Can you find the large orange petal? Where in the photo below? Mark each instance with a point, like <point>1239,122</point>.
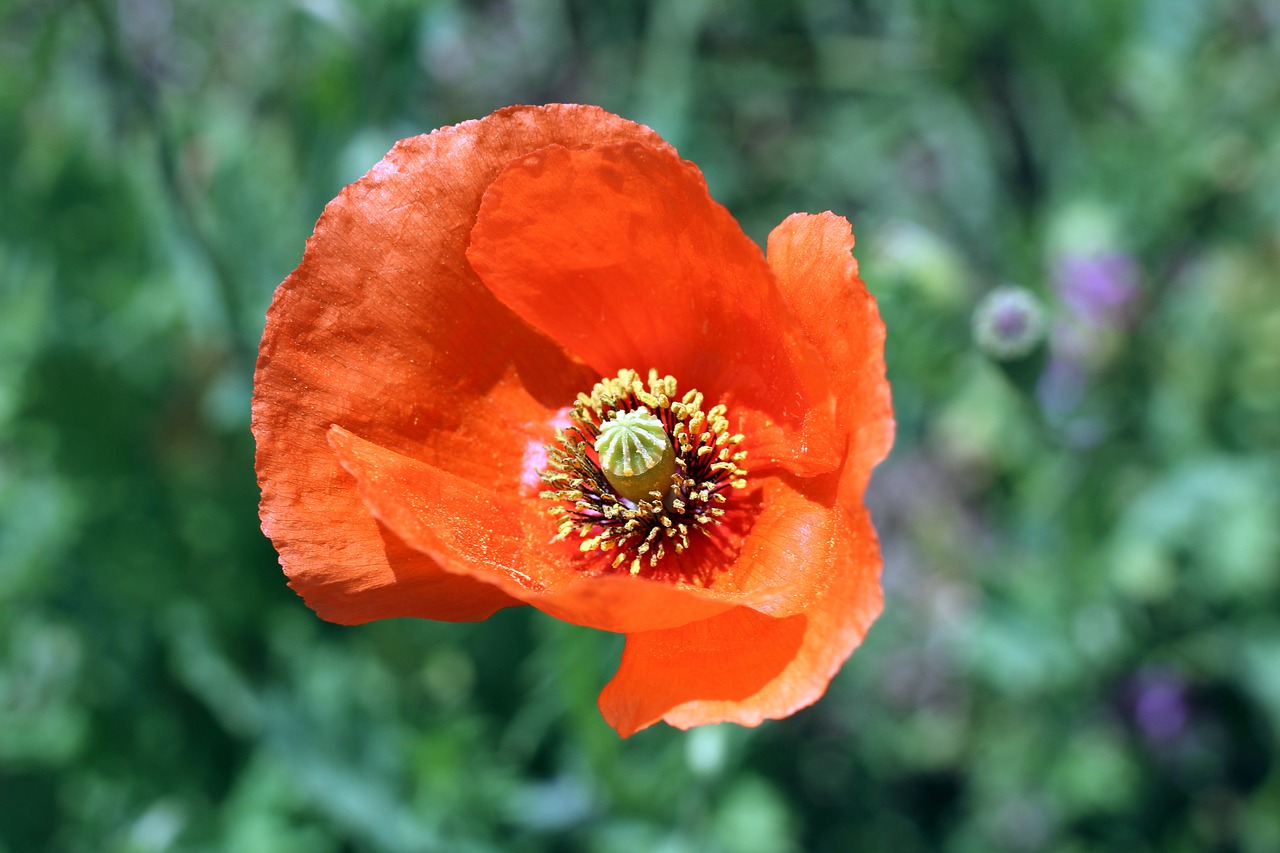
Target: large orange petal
<point>504,540</point>
<point>732,667</point>
<point>839,594</point>
<point>725,659</point>
<point>385,329</point>
<point>620,254</point>
<point>811,258</point>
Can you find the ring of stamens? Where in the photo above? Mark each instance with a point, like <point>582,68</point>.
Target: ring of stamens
<point>642,531</point>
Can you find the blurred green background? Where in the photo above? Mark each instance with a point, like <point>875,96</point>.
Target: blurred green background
<point>1081,647</point>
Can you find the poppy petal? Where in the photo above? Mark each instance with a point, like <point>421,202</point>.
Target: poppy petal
<point>731,668</point>
<point>504,541</point>
<point>384,328</point>
<point>811,258</point>
<point>724,659</point>
<point>619,253</point>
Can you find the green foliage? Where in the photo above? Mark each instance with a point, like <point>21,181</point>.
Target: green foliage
<point>1081,649</point>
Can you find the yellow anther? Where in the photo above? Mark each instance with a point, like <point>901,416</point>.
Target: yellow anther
<point>641,464</point>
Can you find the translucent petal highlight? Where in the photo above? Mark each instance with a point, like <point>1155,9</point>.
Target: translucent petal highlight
<point>810,255</point>
<point>621,256</point>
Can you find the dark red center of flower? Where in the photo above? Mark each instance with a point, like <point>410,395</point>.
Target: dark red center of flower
<point>639,471</point>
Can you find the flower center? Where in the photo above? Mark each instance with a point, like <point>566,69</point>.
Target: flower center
<point>638,470</point>
<point>635,454</point>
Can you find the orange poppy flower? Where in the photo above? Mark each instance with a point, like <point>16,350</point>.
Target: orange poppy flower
<point>507,321</point>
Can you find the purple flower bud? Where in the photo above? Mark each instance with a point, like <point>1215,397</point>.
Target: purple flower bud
<point>1009,322</point>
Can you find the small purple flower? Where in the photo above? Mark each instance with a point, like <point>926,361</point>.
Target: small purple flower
<point>1062,386</point>
<point>1159,705</point>
<point>1101,288</point>
<point>1099,293</point>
